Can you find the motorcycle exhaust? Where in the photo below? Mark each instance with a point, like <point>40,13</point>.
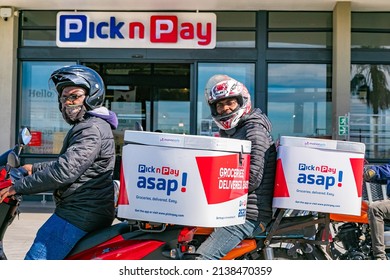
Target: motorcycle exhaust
<point>268,253</point>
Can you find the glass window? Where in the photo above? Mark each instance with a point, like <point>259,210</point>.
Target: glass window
<point>155,95</point>
<point>234,39</point>
<point>300,30</point>
<point>39,108</point>
<point>299,100</point>
<point>370,103</point>
<point>124,68</point>
<point>236,29</point>
<point>370,30</point>
<point>300,20</point>
<point>38,28</point>
<point>236,19</point>
<point>171,111</point>
<point>171,69</point>
<point>368,40</point>
<point>38,18</point>
<point>370,20</point>
<point>299,39</point>
<point>243,72</point>
<point>34,38</point>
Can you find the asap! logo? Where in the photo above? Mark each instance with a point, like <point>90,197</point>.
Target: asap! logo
<point>320,175</point>
<point>164,178</point>
<point>135,30</point>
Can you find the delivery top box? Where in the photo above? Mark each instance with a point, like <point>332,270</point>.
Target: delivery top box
<point>184,179</point>
<point>325,144</point>
<point>187,141</point>
<point>319,175</point>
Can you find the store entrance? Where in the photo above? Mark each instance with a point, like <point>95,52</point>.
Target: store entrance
<point>155,95</point>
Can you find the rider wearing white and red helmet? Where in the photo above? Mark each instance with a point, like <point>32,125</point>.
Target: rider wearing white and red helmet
<point>231,109</point>
<point>222,87</point>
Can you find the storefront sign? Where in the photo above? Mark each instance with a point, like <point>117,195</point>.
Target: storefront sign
<point>136,30</point>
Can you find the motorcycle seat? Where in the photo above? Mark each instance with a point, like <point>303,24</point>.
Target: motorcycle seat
<point>94,238</point>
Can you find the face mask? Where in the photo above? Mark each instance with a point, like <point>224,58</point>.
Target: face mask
<point>73,113</point>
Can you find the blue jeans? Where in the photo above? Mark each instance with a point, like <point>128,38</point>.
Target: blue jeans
<point>222,240</point>
<point>54,240</point>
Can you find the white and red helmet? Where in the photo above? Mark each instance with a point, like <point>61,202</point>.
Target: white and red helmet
<point>220,87</point>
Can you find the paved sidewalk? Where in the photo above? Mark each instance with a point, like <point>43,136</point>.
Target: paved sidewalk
<point>21,233</point>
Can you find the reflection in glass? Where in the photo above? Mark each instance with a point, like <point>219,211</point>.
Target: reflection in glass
<point>299,100</point>
<point>368,40</point>
<point>299,39</point>
<point>236,39</point>
<point>370,103</point>
<point>39,108</point>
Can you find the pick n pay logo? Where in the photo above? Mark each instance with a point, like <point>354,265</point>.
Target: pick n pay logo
<point>136,30</point>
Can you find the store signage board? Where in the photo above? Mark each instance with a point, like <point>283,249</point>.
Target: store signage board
<point>136,30</point>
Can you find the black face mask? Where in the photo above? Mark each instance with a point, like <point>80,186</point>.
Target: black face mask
<point>73,113</point>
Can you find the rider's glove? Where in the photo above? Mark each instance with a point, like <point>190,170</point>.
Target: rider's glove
<point>368,174</point>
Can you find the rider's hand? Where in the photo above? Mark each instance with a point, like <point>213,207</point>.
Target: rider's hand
<point>28,167</point>
<point>368,174</point>
<point>4,193</point>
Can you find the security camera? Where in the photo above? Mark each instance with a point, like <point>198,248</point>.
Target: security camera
<point>6,12</point>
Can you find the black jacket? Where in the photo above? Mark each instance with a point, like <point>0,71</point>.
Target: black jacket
<point>81,178</point>
<point>256,127</point>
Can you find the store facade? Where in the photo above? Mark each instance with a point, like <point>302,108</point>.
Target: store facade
<point>308,70</point>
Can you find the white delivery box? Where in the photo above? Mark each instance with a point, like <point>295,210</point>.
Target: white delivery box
<point>319,175</point>
<point>184,179</point>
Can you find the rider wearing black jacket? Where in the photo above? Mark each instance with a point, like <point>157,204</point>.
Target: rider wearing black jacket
<point>256,127</point>
<point>231,109</point>
<point>81,177</point>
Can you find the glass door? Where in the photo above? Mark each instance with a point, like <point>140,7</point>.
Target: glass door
<point>157,96</point>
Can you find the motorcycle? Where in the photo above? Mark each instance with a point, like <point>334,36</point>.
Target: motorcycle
<point>292,234</point>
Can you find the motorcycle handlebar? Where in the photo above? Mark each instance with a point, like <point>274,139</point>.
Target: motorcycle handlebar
<point>18,173</point>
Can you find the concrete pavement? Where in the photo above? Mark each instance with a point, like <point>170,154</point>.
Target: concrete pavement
<point>21,233</point>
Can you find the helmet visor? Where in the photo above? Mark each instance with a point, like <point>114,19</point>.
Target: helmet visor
<point>58,81</point>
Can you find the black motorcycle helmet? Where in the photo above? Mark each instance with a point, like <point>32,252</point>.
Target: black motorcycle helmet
<point>81,76</point>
